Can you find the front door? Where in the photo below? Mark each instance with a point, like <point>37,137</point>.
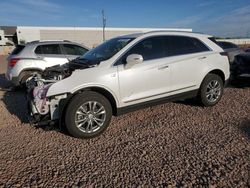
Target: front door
<point>147,80</point>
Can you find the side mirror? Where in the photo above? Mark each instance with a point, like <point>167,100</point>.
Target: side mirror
<point>134,59</point>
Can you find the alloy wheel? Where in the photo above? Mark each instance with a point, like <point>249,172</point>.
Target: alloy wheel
<point>90,116</point>
<point>213,91</point>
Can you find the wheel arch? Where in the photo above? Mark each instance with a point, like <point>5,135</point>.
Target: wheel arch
<point>97,89</point>
<point>27,70</point>
<point>218,72</point>
<point>106,94</point>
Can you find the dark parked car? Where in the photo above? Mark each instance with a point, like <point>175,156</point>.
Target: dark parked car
<point>241,67</point>
<point>247,50</point>
<point>231,48</point>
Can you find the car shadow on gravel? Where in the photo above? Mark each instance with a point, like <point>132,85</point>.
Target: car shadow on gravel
<point>190,102</point>
<point>14,100</point>
<point>245,128</point>
<point>242,83</point>
<point>4,84</point>
<point>16,103</point>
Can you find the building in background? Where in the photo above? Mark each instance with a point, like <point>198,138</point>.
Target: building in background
<point>89,36</point>
<point>2,38</point>
<point>6,45</point>
<point>10,33</point>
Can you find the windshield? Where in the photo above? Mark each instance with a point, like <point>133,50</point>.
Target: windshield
<point>106,50</point>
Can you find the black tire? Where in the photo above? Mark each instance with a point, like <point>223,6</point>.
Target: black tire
<point>210,101</point>
<point>71,112</point>
<point>26,75</point>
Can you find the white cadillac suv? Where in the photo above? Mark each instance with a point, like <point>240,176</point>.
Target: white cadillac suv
<point>127,73</point>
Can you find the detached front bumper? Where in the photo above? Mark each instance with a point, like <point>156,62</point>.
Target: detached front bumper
<point>36,106</point>
<point>34,116</point>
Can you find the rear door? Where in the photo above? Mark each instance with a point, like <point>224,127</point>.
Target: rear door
<point>51,54</point>
<point>188,57</point>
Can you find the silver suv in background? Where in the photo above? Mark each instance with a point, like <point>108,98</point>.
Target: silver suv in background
<point>33,57</point>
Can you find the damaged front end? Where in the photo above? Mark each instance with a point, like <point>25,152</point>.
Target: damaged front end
<point>38,104</point>
<point>44,110</point>
<point>37,87</point>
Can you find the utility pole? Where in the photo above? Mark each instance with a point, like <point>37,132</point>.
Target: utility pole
<point>103,25</point>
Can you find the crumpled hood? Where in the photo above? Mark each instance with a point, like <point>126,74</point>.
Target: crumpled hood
<point>64,71</point>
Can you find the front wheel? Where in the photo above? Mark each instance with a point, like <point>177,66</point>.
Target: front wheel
<point>211,90</point>
<point>88,115</point>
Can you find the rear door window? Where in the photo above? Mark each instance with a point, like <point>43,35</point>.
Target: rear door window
<point>71,49</point>
<point>181,45</point>
<point>53,49</point>
<point>17,50</point>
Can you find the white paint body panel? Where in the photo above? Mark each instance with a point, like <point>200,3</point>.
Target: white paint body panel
<point>149,80</point>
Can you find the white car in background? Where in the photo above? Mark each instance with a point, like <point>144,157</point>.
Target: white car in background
<point>131,72</point>
<point>33,57</point>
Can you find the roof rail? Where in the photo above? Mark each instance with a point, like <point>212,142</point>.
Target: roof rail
<point>36,41</point>
<point>181,31</point>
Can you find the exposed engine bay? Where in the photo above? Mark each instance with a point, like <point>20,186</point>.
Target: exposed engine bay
<point>39,84</point>
<point>58,72</point>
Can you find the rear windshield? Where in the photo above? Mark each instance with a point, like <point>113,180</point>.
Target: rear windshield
<point>17,50</point>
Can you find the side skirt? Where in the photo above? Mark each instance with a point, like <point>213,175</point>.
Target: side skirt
<point>181,96</point>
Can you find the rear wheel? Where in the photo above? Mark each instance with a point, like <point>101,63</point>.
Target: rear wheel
<point>88,115</point>
<point>211,90</point>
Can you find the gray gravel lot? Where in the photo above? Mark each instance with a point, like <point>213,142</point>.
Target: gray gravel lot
<point>177,144</point>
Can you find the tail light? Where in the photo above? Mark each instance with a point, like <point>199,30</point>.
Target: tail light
<point>225,54</point>
<point>13,62</point>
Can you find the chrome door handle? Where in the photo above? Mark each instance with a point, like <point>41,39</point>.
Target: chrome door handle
<point>40,57</point>
<point>204,57</point>
<point>163,67</point>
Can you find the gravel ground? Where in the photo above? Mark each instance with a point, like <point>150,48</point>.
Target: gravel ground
<point>176,144</point>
